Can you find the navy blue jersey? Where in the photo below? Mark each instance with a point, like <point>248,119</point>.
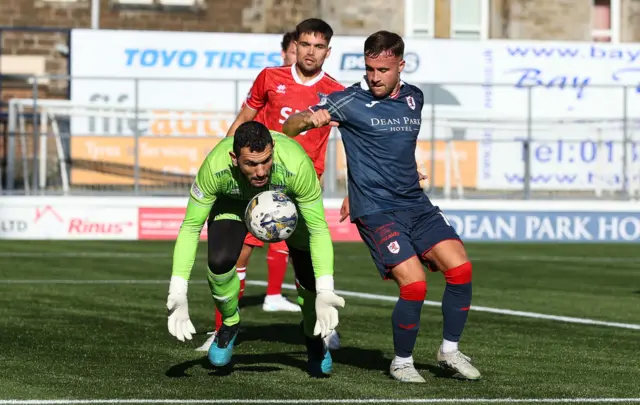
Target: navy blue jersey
<point>379,137</point>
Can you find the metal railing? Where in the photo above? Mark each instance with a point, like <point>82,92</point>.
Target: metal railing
<point>148,136</point>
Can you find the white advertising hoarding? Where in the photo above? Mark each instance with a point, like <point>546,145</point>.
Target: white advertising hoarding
<point>570,79</point>
<point>62,219</point>
<point>473,80</point>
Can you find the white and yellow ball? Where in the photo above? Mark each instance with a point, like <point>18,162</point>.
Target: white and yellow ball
<point>271,216</point>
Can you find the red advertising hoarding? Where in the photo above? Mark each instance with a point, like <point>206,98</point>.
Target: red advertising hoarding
<point>164,224</point>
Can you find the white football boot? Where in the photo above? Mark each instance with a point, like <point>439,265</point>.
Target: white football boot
<point>278,303</point>
<point>458,362</point>
<point>405,372</point>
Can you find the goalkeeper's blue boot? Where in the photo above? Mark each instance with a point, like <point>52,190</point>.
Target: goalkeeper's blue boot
<point>319,361</point>
<point>221,349</point>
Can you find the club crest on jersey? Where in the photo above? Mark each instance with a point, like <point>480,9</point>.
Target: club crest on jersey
<point>411,102</point>
<point>323,99</point>
<point>394,247</point>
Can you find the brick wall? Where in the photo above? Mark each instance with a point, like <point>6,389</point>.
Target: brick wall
<point>363,17</point>
<point>630,22</point>
<point>219,15</point>
<point>568,20</point>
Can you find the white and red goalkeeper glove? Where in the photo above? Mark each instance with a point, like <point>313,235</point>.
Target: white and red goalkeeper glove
<point>179,323</point>
<point>327,303</point>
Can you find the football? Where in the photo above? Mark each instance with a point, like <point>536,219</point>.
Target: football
<point>271,216</point>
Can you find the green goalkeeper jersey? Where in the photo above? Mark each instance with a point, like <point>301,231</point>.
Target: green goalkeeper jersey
<point>218,179</point>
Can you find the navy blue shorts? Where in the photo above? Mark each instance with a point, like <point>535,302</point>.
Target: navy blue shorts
<point>396,236</point>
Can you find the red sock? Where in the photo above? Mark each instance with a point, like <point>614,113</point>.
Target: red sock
<point>218,320</point>
<point>277,258</point>
<point>242,273</point>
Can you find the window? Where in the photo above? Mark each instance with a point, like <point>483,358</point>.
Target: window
<point>460,19</point>
<point>133,2</point>
<point>178,3</point>
<point>605,21</point>
<point>469,19</point>
<point>419,18</point>
<point>159,3</point>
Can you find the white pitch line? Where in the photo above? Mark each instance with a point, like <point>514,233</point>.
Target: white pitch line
<point>474,258</point>
<point>320,401</point>
<point>367,296</point>
<point>98,255</point>
<point>522,314</point>
<point>88,282</point>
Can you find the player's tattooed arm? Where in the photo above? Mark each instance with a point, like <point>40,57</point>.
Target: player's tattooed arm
<point>305,120</point>
<point>296,123</point>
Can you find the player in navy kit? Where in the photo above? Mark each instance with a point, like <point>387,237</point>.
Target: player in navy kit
<point>379,120</point>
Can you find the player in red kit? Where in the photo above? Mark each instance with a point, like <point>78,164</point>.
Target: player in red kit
<point>276,93</point>
<point>289,51</point>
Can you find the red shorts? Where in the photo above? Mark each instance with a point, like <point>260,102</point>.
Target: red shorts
<point>255,242</point>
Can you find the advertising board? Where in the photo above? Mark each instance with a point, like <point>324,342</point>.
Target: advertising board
<point>159,218</point>
<point>67,221</point>
<point>191,85</point>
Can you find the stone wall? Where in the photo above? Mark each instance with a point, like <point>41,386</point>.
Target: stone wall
<point>568,20</point>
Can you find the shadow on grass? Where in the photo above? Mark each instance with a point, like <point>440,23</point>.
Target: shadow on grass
<point>287,333</point>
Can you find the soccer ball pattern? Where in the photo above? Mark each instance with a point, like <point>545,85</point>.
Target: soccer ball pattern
<point>271,216</point>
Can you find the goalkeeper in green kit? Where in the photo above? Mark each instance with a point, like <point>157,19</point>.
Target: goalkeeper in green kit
<point>237,169</point>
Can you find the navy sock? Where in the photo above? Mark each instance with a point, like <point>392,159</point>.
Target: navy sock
<point>456,301</point>
<point>405,318</point>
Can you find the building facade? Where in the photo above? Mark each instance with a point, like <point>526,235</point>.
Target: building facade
<point>25,51</point>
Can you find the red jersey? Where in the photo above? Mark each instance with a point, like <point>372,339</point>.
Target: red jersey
<point>279,92</point>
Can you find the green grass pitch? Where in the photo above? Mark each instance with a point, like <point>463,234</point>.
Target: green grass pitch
<point>64,337</point>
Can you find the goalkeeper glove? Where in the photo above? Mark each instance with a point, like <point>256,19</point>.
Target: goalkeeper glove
<point>179,323</point>
<point>327,303</point>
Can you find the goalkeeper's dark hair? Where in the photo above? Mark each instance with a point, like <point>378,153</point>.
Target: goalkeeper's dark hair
<point>252,135</point>
<point>384,42</point>
<point>287,39</point>
<point>314,26</point>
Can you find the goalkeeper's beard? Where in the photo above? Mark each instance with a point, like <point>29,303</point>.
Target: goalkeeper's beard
<point>259,182</point>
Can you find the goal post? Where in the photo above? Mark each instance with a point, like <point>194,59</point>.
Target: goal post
<point>103,149</point>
